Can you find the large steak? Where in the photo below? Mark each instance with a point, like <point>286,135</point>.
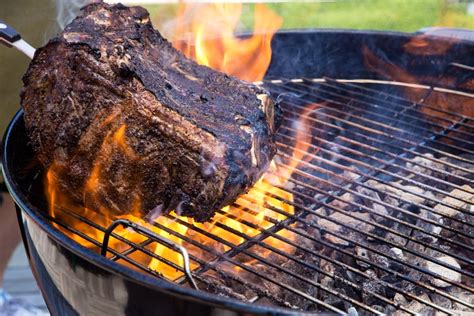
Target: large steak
<point>131,125</point>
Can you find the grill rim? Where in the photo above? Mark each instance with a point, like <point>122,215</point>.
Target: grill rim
<point>389,42</point>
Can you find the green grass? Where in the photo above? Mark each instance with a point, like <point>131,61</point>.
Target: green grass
<point>380,14</point>
<point>396,15</point>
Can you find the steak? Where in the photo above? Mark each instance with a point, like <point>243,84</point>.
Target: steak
<point>128,124</point>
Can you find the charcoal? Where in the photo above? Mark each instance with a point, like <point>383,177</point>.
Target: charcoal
<point>193,139</point>
<point>419,307</point>
<point>440,300</point>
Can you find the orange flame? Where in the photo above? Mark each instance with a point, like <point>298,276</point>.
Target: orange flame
<point>247,217</point>
<point>424,45</point>
<point>214,44</point>
<point>303,141</point>
<point>427,45</point>
<point>262,207</point>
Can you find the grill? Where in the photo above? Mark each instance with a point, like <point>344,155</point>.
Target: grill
<point>380,192</point>
<point>359,134</point>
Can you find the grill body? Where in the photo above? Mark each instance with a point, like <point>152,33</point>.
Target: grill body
<point>75,280</point>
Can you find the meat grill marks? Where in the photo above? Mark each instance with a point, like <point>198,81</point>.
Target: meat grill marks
<point>129,124</point>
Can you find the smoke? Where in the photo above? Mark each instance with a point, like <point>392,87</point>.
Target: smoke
<point>155,213</point>
<point>67,10</point>
<point>191,13</point>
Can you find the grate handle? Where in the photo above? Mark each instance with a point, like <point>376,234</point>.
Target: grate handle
<point>150,234</point>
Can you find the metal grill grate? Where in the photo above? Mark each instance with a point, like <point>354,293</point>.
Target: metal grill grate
<point>380,192</point>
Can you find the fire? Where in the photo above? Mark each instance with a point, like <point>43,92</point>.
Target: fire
<point>428,45</point>
<point>301,149</point>
<point>435,49</point>
<point>262,207</point>
<point>266,204</point>
<point>252,213</point>
<point>213,43</point>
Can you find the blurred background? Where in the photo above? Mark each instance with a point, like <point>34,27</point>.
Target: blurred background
<point>394,15</point>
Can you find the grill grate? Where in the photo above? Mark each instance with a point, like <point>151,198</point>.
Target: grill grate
<point>372,153</point>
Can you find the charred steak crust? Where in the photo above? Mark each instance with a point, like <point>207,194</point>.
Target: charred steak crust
<point>132,125</point>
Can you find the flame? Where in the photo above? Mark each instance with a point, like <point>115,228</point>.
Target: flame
<point>265,205</point>
<point>427,45</point>
<point>262,207</point>
<point>301,148</point>
<point>213,43</point>
<point>432,49</point>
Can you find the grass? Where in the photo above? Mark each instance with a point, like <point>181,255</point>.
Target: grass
<point>396,15</point>
<point>381,14</point>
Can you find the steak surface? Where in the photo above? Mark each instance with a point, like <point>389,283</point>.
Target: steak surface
<point>128,124</point>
